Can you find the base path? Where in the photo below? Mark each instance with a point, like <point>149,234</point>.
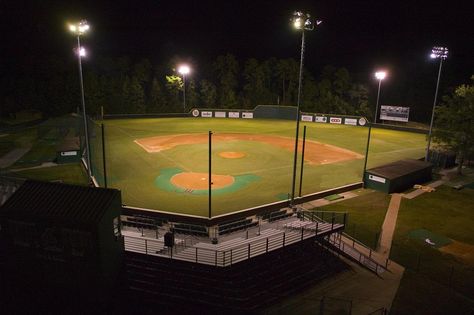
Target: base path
<point>389,224</point>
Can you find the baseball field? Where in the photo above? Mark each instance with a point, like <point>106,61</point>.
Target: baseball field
<point>163,163</point>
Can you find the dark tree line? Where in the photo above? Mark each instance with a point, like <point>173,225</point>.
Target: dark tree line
<point>123,86</point>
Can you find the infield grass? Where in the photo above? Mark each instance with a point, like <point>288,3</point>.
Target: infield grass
<point>133,170</point>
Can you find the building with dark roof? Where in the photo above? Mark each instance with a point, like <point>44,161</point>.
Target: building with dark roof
<point>57,238</point>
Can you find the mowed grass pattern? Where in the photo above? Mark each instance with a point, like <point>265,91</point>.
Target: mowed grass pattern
<point>133,170</point>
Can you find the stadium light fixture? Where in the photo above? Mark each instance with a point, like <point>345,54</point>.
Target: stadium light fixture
<point>441,53</point>
<point>78,30</point>
<point>379,75</point>
<point>302,22</point>
<point>184,70</point>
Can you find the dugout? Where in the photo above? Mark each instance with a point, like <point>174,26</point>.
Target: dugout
<point>69,151</point>
<point>58,238</point>
<point>398,176</point>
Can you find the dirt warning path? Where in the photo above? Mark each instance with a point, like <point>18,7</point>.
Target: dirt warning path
<point>315,152</point>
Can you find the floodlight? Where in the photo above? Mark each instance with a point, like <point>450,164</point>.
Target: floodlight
<point>380,75</point>
<point>439,52</point>
<point>82,52</point>
<point>302,21</point>
<point>184,69</point>
<point>79,28</point>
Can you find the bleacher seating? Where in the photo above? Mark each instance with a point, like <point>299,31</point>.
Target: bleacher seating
<point>276,215</point>
<point>190,229</point>
<point>141,221</point>
<point>241,224</point>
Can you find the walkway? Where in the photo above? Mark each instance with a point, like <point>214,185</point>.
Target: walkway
<point>388,226</point>
<point>11,157</point>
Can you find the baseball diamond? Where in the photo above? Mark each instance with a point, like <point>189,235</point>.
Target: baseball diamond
<point>162,163</point>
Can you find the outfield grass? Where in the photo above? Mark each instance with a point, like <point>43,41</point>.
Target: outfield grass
<point>366,214</point>
<point>446,212</point>
<point>67,173</point>
<point>134,171</point>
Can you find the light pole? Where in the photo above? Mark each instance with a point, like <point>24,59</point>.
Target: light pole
<point>80,29</point>
<point>184,70</point>
<point>301,21</point>
<point>379,75</point>
<point>442,54</point>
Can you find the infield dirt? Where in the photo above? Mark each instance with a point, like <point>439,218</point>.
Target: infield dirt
<point>315,152</point>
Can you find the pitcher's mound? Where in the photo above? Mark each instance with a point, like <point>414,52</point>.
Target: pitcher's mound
<point>198,181</point>
<point>232,155</point>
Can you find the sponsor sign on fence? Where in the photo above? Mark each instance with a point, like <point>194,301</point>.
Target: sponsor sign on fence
<point>69,153</point>
<point>234,115</point>
<point>306,117</point>
<point>377,179</point>
<point>350,121</point>
<point>247,115</point>
<point>320,119</point>
<point>335,120</point>
<point>219,114</point>
<point>206,114</point>
<point>195,113</point>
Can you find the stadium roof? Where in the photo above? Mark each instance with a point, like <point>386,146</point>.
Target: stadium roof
<point>399,168</point>
<point>36,200</point>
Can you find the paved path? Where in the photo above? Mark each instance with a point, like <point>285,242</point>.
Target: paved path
<point>388,226</point>
<point>13,156</point>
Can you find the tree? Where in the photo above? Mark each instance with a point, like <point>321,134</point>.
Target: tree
<point>226,69</point>
<point>208,94</point>
<point>157,98</point>
<point>454,122</point>
<point>174,85</point>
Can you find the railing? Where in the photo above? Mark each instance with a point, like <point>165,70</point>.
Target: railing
<point>366,260</point>
<point>232,251</point>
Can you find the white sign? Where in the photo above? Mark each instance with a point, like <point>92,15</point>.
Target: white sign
<point>219,114</point>
<point>306,118</point>
<point>350,121</point>
<point>320,119</point>
<point>234,115</point>
<point>69,153</point>
<point>362,121</point>
<point>395,113</point>
<point>195,113</point>
<point>377,179</point>
<point>335,120</point>
<point>206,114</point>
<point>247,115</point>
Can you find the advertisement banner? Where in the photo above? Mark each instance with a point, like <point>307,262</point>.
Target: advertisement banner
<point>306,118</point>
<point>320,119</point>
<point>69,153</point>
<point>195,113</point>
<point>234,115</point>
<point>206,114</point>
<point>219,114</point>
<point>247,115</point>
<point>394,113</point>
<point>350,121</point>
<point>335,120</point>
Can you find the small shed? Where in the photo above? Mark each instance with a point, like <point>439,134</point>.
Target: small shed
<point>398,176</point>
<point>69,151</point>
<point>62,236</point>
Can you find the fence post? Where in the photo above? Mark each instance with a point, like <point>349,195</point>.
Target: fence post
<point>284,235</point>
<point>332,222</point>
<point>267,246</point>
<point>302,231</point>
<point>317,224</point>
<point>223,259</point>
<point>146,247</point>
<point>216,257</point>
<point>249,251</point>
<point>231,257</point>
<point>196,254</point>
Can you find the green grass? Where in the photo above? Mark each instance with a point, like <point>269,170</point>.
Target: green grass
<point>67,173</point>
<point>366,214</point>
<point>447,212</point>
<point>134,171</point>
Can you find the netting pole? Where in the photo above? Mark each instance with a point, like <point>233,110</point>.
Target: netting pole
<point>210,167</point>
<point>103,155</point>
<point>302,160</point>
<point>366,153</point>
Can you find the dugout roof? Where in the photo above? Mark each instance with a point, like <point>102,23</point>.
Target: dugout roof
<point>399,168</point>
<point>59,202</point>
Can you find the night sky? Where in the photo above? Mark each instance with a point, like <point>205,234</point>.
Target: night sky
<point>359,35</point>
